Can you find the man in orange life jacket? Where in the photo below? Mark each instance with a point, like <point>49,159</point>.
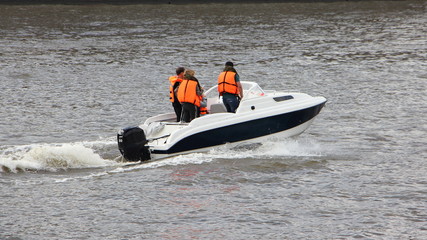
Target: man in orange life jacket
<point>230,88</point>
<point>174,84</point>
<point>189,93</point>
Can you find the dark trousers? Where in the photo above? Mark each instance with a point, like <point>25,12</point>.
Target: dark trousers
<point>188,112</point>
<point>231,102</point>
<point>178,109</point>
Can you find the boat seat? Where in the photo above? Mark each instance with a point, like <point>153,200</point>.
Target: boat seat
<point>217,108</point>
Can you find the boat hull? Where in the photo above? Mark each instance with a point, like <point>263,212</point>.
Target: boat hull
<point>286,125</point>
<point>260,115</point>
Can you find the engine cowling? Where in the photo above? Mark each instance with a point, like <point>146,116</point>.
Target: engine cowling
<point>131,142</point>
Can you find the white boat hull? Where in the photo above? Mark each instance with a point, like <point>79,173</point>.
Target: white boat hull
<point>262,116</point>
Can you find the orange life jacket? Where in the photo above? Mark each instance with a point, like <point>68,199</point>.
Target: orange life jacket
<point>187,92</point>
<point>203,110</point>
<point>227,83</point>
<point>173,80</point>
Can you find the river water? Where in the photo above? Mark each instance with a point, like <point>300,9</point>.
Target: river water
<point>72,75</point>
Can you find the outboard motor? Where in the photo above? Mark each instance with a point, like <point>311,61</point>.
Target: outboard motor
<point>131,143</point>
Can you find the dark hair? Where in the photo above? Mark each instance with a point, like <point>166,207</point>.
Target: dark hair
<point>229,69</point>
<point>229,64</point>
<point>180,70</point>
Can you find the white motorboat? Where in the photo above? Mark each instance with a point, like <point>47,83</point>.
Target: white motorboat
<point>261,114</point>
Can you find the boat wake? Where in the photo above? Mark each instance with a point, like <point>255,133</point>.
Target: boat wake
<point>103,154</point>
<point>272,149</point>
<point>301,147</point>
<point>52,157</point>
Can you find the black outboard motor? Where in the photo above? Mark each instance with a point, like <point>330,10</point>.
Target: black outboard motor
<point>131,143</point>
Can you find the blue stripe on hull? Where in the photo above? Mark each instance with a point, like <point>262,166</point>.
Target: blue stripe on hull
<point>244,131</point>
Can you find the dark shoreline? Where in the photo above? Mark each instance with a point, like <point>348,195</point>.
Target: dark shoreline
<point>129,2</point>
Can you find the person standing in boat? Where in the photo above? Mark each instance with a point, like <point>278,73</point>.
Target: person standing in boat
<point>230,88</point>
<point>189,94</point>
<point>174,84</point>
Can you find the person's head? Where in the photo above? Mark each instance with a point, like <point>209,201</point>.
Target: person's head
<point>180,70</point>
<point>229,64</point>
<point>188,74</point>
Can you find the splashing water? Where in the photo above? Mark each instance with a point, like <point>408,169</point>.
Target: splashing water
<point>54,157</point>
<point>50,158</point>
<point>301,147</point>
<point>272,148</point>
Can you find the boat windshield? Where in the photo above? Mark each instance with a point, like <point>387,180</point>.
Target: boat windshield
<point>250,90</point>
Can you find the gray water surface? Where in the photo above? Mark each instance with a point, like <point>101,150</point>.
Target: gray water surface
<point>71,76</point>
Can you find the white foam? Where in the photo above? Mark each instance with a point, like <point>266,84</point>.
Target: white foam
<point>272,148</point>
<point>194,158</point>
<point>291,147</point>
<point>54,157</point>
<point>50,157</point>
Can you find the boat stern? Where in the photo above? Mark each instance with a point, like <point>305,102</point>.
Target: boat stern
<point>132,144</point>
